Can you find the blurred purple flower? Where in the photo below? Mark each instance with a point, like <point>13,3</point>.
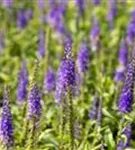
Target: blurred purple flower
<point>60,28</point>
<point>41,44</point>
<point>41,4</point>
<point>7,3</point>
<point>83,59</point>
<point>81,6</point>
<point>54,17</point>
<point>29,14</point>
<point>131,29</point>
<point>127,133</point>
<point>94,35</point>
<point>126,97</point>
<point>99,112</point>
<point>96,2</point>
<point>6,127</point>
<point>2,43</point>
<point>49,82</point>
<point>123,59</point>
<point>21,19</point>
<point>93,110</point>
<point>123,53</point>
<point>52,4</point>
<point>66,75</point>
<point>120,74</point>
<point>22,83</point>
<point>112,12</point>
<point>34,106</point>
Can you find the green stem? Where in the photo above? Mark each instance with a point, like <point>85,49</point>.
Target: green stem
<point>70,120</point>
<point>31,137</point>
<point>25,131</point>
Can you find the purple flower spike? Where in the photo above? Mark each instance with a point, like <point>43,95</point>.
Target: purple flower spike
<point>83,59</point>
<point>123,59</point>
<point>55,17</point>
<point>131,30</point>
<point>123,53</point>
<point>41,4</point>
<point>127,133</point>
<point>96,2</point>
<point>21,19</point>
<point>29,14</point>
<point>126,97</point>
<point>2,43</point>
<point>93,111</point>
<point>65,75</point>
<point>22,83</point>
<point>49,83</point>
<point>34,106</point>
<point>94,35</point>
<point>41,44</point>
<point>7,3</point>
<point>112,12</point>
<point>120,74</point>
<point>81,6</point>
<point>6,127</point>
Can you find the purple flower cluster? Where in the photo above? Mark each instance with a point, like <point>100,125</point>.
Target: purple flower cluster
<point>96,2</point>
<point>123,53</point>
<point>83,59</point>
<point>123,59</point>
<point>7,3</point>
<point>126,97</point>
<point>41,44</point>
<point>49,82</point>
<point>94,35</point>
<point>81,6</point>
<point>56,17</point>
<point>22,83</point>
<point>127,133</point>
<point>6,127</point>
<point>2,43</point>
<point>131,29</point>
<point>93,110</point>
<point>23,17</point>
<point>34,106</point>
<point>112,12</point>
<point>120,74</point>
<point>65,76</point>
<point>41,4</point>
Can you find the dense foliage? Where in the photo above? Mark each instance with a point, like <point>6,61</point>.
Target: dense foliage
<point>67,73</point>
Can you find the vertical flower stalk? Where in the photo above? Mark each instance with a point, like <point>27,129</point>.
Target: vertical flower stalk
<point>65,87</point>
<point>93,110</point>
<point>34,108</point>
<point>7,3</point>
<point>126,97</point>
<point>126,134</point>
<point>21,20</point>
<point>81,7</point>
<point>99,113</point>
<point>130,30</point>
<point>83,59</point>
<point>6,126</point>
<point>2,43</point>
<point>96,2</point>
<point>41,44</point>
<point>123,59</point>
<point>49,82</point>
<point>95,35</point>
<point>111,12</point>
<point>22,83</point>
